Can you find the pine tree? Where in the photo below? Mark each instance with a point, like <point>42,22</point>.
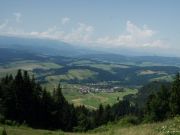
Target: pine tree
<point>175,96</point>
<point>62,110</point>
<point>58,96</point>
<point>164,100</point>
<point>4,132</point>
<point>99,118</point>
<point>83,123</point>
<point>108,116</point>
<point>8,98</point>
<point>158,105</point>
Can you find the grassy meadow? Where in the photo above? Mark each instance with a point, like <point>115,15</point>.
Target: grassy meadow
<point>168,127</point>
<point>51,74</point>
<point>29,65</point>
<point>92,100</point>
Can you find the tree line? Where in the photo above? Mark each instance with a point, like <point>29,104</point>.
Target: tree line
<point>24,101</point>
<point>165,103</point>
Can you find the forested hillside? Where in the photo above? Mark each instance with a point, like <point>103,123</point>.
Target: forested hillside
<point>168,127</point>
<point>24,101</point>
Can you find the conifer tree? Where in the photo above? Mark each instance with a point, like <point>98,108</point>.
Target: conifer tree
<point>4,132</point>
<point>175,96</point>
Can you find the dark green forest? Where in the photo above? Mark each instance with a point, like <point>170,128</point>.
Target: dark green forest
<point>24,101</point>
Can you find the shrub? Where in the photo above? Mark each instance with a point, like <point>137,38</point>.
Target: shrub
<point>129,120</point>
<point>2,119</point>
<point>4,132</point>
<point>10,122</point>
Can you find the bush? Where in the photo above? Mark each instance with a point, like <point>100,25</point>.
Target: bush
<point>2,119</point>
<point>129,120</point>
<point>4,132</point>
<point>10,122</point>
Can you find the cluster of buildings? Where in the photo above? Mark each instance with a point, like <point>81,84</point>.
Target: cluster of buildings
<point>87,89</point>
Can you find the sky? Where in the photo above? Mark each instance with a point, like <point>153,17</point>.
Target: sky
<point>144,26</point>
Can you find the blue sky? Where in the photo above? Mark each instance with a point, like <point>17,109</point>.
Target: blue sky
<point>143,25</point>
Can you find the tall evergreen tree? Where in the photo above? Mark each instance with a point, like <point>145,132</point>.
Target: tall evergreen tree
<point>99,117</point>
<point>4,132</point>
<point>158,105</point>
<point>175,96</point>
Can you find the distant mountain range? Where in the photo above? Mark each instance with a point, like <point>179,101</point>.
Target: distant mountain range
<point>24,47</point>
<point>42,46</point>
<point>52,61</point>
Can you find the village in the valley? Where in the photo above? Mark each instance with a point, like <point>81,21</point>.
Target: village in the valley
<point>93,88</point>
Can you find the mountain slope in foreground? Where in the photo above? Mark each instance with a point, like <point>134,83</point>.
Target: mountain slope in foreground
<point>169,127</point>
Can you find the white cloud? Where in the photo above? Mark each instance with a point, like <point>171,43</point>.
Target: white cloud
<point>135,37</point>
<point>18,17</point>
<point>134,30</point>
<point>4,24</point>
<point>82,33</point>
<point>156,44</point>
<point>65,20</point>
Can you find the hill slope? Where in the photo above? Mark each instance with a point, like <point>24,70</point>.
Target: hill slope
<point>169,127</point>
<point>42,46</point>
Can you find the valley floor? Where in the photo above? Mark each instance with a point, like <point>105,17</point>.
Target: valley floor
<point>169,127</point>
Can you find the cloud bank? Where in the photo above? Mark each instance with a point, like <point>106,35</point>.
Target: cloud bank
<point>65,20</point>
<point>18,17</point>
<point>81,33</point>
<point>134,37</point>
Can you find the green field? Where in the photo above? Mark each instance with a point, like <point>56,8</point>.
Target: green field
<point>29,65</point>
<point>52,74</point>
<point>169,127</point>
<point>167,78</point>
<point>108,67</point>
<point>92,100</point>
<point>78,74</point>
